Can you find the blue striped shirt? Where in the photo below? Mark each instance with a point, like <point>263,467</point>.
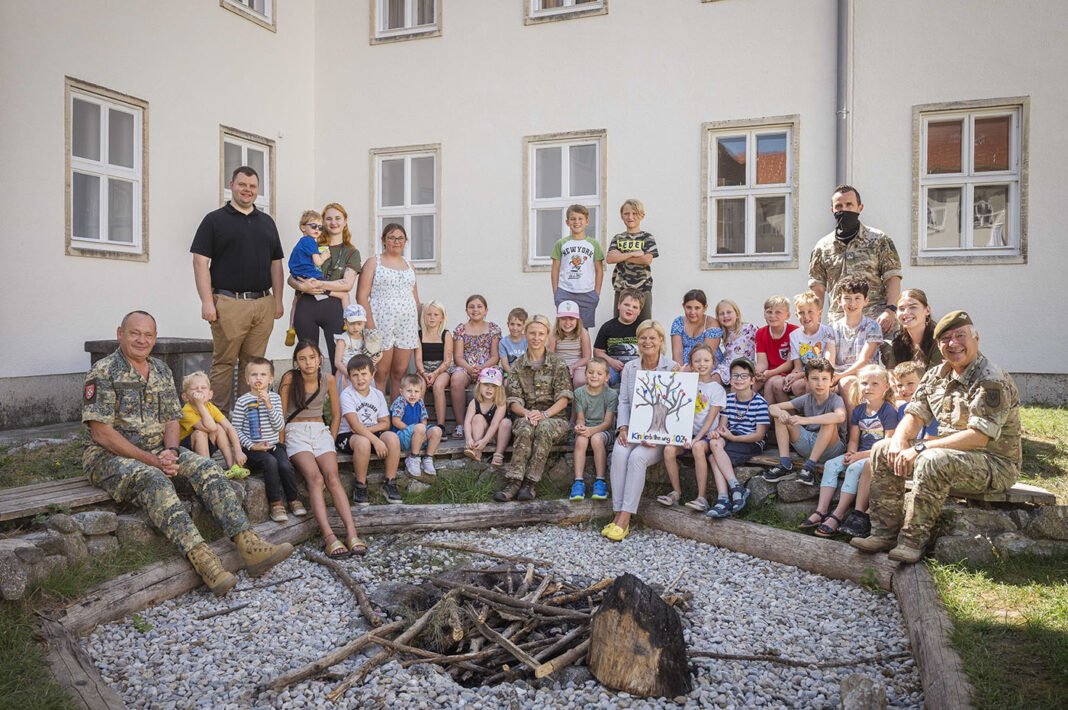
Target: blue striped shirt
<point>743,417</point>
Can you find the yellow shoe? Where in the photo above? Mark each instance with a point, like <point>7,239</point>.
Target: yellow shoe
<point>291,337</point>
<point>236,472</point>
<point>606,528</point>
<point>617,533</point>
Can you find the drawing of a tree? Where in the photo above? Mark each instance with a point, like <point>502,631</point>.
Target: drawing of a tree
<point>665,398</point>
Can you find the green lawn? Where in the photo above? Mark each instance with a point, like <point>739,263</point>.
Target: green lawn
<point>1045,449</point>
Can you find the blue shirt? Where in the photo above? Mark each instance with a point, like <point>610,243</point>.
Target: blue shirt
<point>409,413</point>
<point>929,430</point>
<point>678,327</point>
<point>512,350</point>
<point>300,259</point>
<point>743,417</point>
<point>873,427</point>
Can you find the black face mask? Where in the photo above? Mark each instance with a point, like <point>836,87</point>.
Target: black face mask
<point>847,225</point>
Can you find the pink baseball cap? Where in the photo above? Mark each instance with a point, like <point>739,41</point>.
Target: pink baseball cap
<point>568,309</point>
<point>491,375</point>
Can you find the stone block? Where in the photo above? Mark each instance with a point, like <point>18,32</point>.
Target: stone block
<point>415,486</point>
<point>96,522</point>
<point>61,523</point>
<point>256,507</point>
<point>744,474</point>
<point>22,548</point>
<point>47,566</point>
<point>73,547</point>
<point>1012,543</point>
<point>796,491</point>
<point>976,548</point>
<point>14,572</point>
<point>1020,517</point>
<point>49,542</point>
<point>969,521</point>
<point>102,545</point>
<point>793,512</point>
<point>759,490</point>
<point>859,692</point>
<point>1049,523</point>
<point>134,528</point>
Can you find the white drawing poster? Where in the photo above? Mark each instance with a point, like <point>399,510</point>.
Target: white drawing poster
<point>662,408</point>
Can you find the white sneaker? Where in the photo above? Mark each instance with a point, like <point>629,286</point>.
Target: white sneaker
<point>428,466</point>
<point>412,464</point>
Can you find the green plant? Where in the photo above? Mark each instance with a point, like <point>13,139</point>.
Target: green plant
<point>870,581</point>
<point>139,624</point>
<point>53,509</point>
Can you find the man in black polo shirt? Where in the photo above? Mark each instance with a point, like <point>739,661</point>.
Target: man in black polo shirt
<point>237,262</point>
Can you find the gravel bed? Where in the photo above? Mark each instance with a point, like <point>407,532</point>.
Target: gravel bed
<point>742,605</point>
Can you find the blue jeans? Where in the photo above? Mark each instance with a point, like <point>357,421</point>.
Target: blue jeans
<point>807,440</point>
<point>833,469</point>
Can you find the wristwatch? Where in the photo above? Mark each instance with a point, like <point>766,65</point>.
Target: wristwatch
<point>920,446</point>
<point>891,307</point>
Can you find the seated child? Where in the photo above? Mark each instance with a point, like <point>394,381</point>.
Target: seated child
<point>306,260</point>
<point>365,421</point>
<point>709,401</point>
<point>739,340</point>
<point>205,430</point>
<point>475,346</point>
<point>812,339</point>
<point>409,418</point>
<point>595,413</point>
<point>356,340</point>
<point>515,344</point>
<point>856,337</point>
<point>814,431</point>
<point>259,420</point>
<point>571,341</point>
<point>617,339</point>
<point>433,356</point>
<point>906,380</point>
<point>873,419</point>
<point>486,418</point>
<point>773,348</point>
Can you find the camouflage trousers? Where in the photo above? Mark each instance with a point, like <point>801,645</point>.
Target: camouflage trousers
<point>910,516</point>
<point>130,481</point>
<point>531,446</point>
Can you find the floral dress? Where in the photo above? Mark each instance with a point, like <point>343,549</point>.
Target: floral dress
<point>736,345</point>
<point>477,348</point>
<point>393,307</point>
<point>678,327</point>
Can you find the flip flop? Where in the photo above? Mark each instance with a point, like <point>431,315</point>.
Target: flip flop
<point>825,530</point>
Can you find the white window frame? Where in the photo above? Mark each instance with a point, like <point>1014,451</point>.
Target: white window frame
<point>1015,249</point>
<point>534,14</point>
<point>532,203</point>
<point>108,100</point>
<point>265,199</point>
<point>403,214</point>
<point>244,8</point>
<point>380,34</point>
<point>750,129</point>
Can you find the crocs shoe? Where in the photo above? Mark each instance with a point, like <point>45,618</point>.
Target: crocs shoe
<point>237,472</point>
<point>600,489</point>
<point>578,490</point>
<point>616,533</point>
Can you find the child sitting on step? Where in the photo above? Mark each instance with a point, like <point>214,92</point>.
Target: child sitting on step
<point>409,418</point>
<point>485,418</point>
<point>205,430</point>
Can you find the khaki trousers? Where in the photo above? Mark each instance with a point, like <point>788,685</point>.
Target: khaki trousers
<point>240,331</point>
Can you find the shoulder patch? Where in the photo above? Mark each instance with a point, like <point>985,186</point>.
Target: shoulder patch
<point>992,397</point>
<point>90,392</point>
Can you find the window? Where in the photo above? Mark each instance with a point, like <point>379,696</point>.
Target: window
<point>750,209</point>
<point>106,181</point>
<point>241,148</point>
<point>393,20</point>
<point>407,190</point>
<point>259,11</point>
<point>538,11</point>
<point>969,183</point>
<point>562,169</point>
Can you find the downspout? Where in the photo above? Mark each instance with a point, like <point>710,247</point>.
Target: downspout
<point>843,152</point>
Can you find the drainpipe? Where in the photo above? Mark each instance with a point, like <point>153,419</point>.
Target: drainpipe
<point>844,97</point>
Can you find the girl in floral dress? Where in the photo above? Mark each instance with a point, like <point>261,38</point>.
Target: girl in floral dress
<point>739,339</point>
<point>474,348</point>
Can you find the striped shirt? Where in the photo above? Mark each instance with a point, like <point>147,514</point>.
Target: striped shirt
<point>743,417</point>
<point>272,420</point>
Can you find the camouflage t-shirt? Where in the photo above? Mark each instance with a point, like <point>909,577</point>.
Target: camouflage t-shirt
<point>871,255</point>
<point>627,274</point>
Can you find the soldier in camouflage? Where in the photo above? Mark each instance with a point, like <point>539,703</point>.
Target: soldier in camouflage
<point>131,410</point>
<point>978,411</point>
<point>539,389</point>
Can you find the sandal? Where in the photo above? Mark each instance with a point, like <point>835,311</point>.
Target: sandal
<point>336,550</point>
<point>497,460</point>
<point>720,509</point>
<point>670,499</point>
<point>472,454</point>
<point>698,504</point>
<point>739,495</point>
<point>458,432</point>
<point>356,545</point>
<point>825,530</point>
<point>810,524</point>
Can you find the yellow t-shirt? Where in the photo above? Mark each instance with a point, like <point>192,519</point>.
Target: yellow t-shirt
<point>190,417</point>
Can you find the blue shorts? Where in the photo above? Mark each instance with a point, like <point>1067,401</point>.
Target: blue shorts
<point>405,436</point>
<point>807,440</point>
<point>741,451</point>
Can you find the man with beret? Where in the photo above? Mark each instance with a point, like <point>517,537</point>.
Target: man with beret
<point>977,408</point>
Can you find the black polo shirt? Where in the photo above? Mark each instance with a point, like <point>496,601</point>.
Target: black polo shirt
<point>241,248</point>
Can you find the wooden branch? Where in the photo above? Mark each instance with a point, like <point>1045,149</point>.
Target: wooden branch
<point>518,559</point>
<point>562,642</point>
<point>563,660</point>
<point>477,655</point>
<point>268,584</point>
<point>485,595</point>
<point>798,663</point>
<point>220,612</point>
<point>575,596</point>
<point>504,643</point>
<point>316,667</point>
<point>457,625</point>
<point>343,574</point>
<point>74,670</point>
<point>671,587</point>
<point>528,579</point>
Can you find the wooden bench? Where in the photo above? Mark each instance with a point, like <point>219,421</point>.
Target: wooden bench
<point>25,501</point>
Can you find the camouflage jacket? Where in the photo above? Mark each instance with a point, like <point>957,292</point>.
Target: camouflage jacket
<point>539,388</point>
<point>871,255</point>
<point>983,398</point>
<point>115,393</point>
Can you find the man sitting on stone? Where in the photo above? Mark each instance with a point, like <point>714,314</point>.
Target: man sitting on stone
<point>131,408</point>
<point>977,408</point>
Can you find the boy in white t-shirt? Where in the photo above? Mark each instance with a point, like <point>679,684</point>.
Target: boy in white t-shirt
<point>365,425</point>
<point>578,267</point>
<point>813,339</point>
<point>856,337</point>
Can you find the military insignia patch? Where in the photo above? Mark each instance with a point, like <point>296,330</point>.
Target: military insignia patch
<point>90,392</point>
<point>992,397</point>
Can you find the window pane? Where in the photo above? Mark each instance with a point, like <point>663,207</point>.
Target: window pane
<point>394,14</point>
<point>583,160</point>
<point>260,6</point>
<point>990,216</point>
<point>943,217</point>
<point>231,160</point>
<point>85,130</point>
<point>120,211</point>
<point>423,181</point>
<point>256,161</point>
<point>730,226</point>
<point>770,225</point>
<point>120,138</point>
<point>424,12</point>
<point>730,161</point>
<point>85,207</point>
<point>591,228</point>
<point>771,159</point>
<point>422,237</point>
<point>550,4</point>
<point>393,182</point>
<point>992,143</point>
<point>943,146</point>
<point>549,227</point>
<point>547,174</point>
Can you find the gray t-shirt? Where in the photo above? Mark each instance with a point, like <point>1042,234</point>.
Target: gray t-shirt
<point>595,407</point>
<point>807,406</point>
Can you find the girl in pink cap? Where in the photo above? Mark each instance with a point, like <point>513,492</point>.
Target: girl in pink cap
<point>485,418</point>
<point>571,341</point>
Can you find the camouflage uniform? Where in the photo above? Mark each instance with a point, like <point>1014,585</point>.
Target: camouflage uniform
<point>871,255</point>
<point>537,389</point>
<point>116,394</point>
<point>983,398</point>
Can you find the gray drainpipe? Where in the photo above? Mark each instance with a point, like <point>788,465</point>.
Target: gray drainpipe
<point>844,98</point>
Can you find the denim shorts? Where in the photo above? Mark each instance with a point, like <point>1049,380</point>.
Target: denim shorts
<point>833,469</point>
<point>807,440</point>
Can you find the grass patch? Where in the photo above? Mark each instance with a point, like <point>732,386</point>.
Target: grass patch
<point>1045,449</point>
<point>1010,625</point>
<point>470,484</point>
<point>20,466</point>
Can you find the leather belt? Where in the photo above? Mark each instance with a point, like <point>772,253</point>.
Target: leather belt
<point>243,295</point>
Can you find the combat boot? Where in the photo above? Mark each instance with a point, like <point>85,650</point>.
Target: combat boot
<point>211,570</point>
<point>906,553</point>
<point>873,544</point>
<point>526,491</point>
<point>259,555</point>
<point>508,492</point>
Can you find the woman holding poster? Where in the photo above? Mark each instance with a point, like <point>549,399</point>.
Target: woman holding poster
<point>629,460</point>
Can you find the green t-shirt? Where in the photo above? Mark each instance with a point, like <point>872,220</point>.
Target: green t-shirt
<point>577,259</point>
<point>628,274</point>
<point>595,407</point>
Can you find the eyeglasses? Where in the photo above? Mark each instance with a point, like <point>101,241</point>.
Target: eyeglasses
<point>740,375</point>
<point>396,238</point>
<point>316,227</point>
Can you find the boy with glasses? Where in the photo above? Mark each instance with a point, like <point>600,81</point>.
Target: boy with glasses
<point>743,423</point>
<point>306,260</point>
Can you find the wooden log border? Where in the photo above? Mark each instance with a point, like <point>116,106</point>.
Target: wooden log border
<point>941,674</point>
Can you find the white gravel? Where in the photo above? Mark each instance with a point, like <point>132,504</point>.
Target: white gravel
<point>742,605</point>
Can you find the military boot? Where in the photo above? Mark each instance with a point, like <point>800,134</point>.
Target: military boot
<point>508,492</point>
<point>526,491</point>
<point>908,554</point>
<point>259,555</point>
<point>211,570</point>
<point>873,544</point>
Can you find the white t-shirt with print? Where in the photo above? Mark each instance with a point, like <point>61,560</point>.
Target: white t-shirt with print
<point>367,409</point>
<point>805,347</point>
<point>709,394</point>
<point>577,258</point>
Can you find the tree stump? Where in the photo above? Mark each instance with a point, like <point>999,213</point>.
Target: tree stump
<point>636,642</point>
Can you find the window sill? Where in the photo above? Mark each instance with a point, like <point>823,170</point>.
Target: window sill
<point>105,253</point>
<point>537,268</point>
<point>748,264</point>
<point>425,267</point>
<point>544,17</point>
<point>403,36</point>
<point>251,15</point>
<point>965,259</point>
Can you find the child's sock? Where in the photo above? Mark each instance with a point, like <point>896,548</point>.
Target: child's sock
<point>784,461</point>
<point>810,465</point>
<point>733,483</point>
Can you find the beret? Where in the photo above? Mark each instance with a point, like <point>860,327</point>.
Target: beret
<point>950,321</point>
